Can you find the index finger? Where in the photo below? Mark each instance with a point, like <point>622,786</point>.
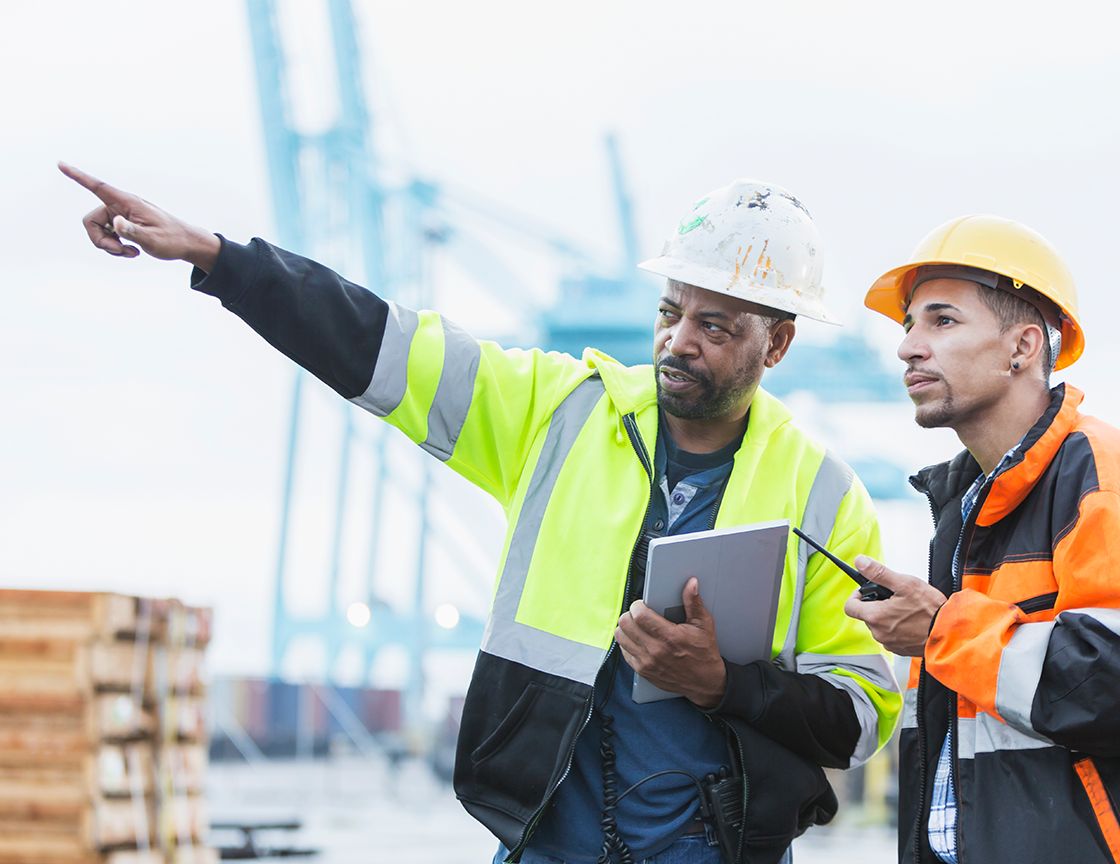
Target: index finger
<point>108,194</point>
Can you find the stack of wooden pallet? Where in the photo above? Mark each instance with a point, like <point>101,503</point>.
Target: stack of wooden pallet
<point>103,740</point>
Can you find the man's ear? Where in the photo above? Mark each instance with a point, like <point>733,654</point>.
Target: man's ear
<point>1026,342</point>
<point>781,337</point>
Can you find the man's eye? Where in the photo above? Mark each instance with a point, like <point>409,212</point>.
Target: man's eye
<point>943,319</point>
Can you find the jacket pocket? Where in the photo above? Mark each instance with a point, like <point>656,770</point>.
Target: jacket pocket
<point>518,763</point>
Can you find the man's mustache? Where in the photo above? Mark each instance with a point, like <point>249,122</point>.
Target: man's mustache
<point>672,362</point>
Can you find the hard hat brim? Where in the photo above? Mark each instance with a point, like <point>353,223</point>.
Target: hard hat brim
<point>712,279</point>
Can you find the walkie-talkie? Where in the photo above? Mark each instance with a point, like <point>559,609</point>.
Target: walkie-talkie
<point>868,590</point>
<point>722,806</point>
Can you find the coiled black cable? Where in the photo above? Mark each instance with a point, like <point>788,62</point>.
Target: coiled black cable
<point>612,840</point>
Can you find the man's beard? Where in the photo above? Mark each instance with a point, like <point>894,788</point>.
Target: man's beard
<point>938,414</point>
<point>711,402</point>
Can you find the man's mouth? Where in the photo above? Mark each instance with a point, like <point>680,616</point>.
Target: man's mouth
<point>916,380</point>
<point>676,380</point>
<point>676,375</point>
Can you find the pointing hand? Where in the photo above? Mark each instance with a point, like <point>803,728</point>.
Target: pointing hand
<point>123,216</point>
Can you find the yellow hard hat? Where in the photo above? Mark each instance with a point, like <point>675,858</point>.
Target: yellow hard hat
<point>998,246</point>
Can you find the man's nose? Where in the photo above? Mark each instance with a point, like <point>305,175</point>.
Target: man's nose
<point>682,338</point>
<point>912,346</point>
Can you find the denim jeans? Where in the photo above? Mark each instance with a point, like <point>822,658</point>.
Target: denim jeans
<point>689,849</point>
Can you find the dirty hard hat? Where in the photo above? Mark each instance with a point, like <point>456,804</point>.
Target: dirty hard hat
<point>995,245</point>
<point>750,240</point>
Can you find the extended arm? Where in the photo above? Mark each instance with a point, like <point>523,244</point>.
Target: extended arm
<point>469,403</point>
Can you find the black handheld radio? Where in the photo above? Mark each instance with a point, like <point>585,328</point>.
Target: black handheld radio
<point>868,590</point>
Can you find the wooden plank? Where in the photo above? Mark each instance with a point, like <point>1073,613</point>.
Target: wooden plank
<point>115,822</point>
<point>67,614</point>
<point>113,665</point>
<point>30,745</point>
<point>135,856</point>
<point>46,841</point>
<point>66,784</point>
<point>33,849</point>
<point>112,716</point>
<point>65,667</point>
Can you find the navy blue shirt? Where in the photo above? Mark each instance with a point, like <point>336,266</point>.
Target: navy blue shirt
<point>654,736</point>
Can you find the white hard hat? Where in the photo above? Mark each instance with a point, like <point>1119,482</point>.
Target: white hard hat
<point>750,240</point>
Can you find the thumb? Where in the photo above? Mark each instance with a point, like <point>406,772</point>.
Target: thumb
<point>696,613</point>
<point>877,572</point>
<point>124,228</point>
<point>131,231</point>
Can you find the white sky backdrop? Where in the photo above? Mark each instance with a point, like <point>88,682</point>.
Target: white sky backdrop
<point>143,429</point>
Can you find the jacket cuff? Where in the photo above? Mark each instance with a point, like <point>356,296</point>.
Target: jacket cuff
<point>232,273</point>
<point>745,695</point>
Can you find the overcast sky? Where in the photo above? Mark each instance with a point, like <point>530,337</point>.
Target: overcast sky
<point>144,429</point>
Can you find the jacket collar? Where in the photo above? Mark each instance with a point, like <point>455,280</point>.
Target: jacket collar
<point>1039,448</point>
<point>949,480</point>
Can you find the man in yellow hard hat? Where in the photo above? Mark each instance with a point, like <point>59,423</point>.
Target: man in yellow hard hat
<point>591,459</point>
<point>1010,743</point>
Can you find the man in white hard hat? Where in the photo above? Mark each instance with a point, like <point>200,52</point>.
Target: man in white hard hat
<point>590,459</point>
<point>1010,746</point>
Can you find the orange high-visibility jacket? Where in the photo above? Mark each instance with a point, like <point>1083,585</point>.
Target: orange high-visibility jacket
<point>1024,658</point>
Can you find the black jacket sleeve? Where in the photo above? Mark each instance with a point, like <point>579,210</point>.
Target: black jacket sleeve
<point>803,713</point>
<point>1075,703</point>
<point>328,325</point>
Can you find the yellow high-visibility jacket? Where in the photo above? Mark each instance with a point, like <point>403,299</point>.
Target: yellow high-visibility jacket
<point>565,444</point>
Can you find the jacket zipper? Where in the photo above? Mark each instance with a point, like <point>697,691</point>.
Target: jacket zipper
<point>731,731</point>
<point>1037,604</point>
<point>746,788</point>
<point>919,709</point>
<point>630,424</point>
<point>719,501</point>
<point>960,556</point>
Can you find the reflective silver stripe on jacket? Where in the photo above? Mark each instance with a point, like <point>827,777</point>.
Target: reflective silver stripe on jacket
<point>1020,668</point>
<point>452,401</point>
<point>986,734</point>
<point>909,709</point>
<point>504,637</point>
<point>390,377</point>
<point>1020,664</point>
<point>454,392</point>
<point>875,669</point>
<point>833,482</point>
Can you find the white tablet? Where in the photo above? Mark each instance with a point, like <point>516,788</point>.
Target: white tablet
<point>740,574</point>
